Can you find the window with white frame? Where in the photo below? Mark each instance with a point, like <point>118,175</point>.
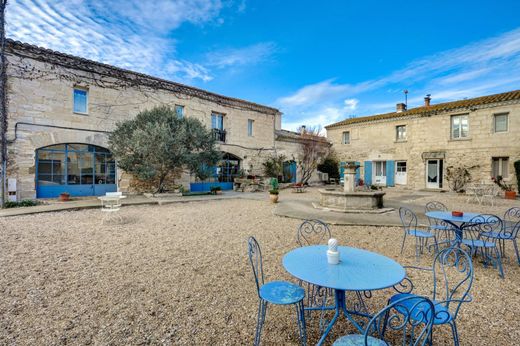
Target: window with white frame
<point>250,127</point>
<point>500,166</point>
<point>179,110</point>
<point>217,121</point>
<point>80,100</point>
<point>501,122</point>
<point>400,132</point>
<point>459,126</point>
<point>346,137</point>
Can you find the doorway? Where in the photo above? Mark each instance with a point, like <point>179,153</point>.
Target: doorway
<point>434,174</point>
<point>400,172</point>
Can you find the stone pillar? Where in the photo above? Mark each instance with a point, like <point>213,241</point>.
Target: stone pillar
<point>349,178</point>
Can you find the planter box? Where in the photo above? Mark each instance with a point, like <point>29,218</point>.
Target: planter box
<point>510,194</point>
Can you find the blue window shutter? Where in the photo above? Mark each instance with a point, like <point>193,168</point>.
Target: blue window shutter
<point>368,172</point>
<point>357,173</point>
<point>341,169</point>
<point>390,173</point>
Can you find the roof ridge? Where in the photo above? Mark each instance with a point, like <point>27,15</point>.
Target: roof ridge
<point>14,44</point>
<point>512,95</point>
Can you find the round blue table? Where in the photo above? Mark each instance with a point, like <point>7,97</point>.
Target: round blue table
<point>358,270</point>
<point>458,222</point>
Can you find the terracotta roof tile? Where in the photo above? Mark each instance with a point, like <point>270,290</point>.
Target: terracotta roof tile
<point>436,108</point>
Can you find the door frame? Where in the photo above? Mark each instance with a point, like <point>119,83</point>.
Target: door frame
<point>440,172</point>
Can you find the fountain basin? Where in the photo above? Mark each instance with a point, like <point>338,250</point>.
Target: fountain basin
<point>351,201</point>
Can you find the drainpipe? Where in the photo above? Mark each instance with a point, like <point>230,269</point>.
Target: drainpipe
<point>3,103</point>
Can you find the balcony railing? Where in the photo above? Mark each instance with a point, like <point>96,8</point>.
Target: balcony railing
<point>220,135</point>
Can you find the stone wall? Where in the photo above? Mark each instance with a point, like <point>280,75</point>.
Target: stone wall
<point>429,136</point>
<point>40,112</point>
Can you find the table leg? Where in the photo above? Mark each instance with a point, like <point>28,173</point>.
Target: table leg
<point>340,306</point>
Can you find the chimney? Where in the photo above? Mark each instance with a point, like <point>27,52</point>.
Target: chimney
<point>400,107</point>
<point>427,100</point>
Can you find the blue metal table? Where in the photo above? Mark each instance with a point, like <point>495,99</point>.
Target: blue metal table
<point>358,270</point>
<point>458,222</point>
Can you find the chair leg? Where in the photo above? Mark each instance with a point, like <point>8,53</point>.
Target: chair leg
<point>402,245</point>
<point>516,251</point>
<point>262,310</point>
<point>454,333</point>
<point>499,263</point>
<point>302,330</point>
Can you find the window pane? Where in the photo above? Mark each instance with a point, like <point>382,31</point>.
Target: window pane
<point>100,169</point>
<point>455,127</point>
<point>346,137</point>
<point>501,123</point>
<point>179,110</point>
<point>464,126</point>
<point>494,168</point>
<point>86,169</point>
<point>73,173</point>
<point>80,101</point>
<point>505,167</point>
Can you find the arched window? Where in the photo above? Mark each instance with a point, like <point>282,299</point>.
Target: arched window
<point>76,168</point>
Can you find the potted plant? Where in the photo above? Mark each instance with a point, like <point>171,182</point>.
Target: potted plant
<point>509,193</point>
<point>64,196</point>
<point>273,192</point>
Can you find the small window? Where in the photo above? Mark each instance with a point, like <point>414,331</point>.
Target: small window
<point>500,166</point>
<point>80,100</point>
<point>401,166</point>
<point>179,110</point>
<point>501,122</point>
<point>217,121</point>
<point>400,133</point>
<point>459,126</point>
<point>250,127</point>
<point>346,137</point>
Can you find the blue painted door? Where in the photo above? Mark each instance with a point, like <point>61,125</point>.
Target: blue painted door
<point>390,173</point>
<point>341,169</point>
<point>368,172</point>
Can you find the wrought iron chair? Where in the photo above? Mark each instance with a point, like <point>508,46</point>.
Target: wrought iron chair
<point>274,292</point>
<point>452,273</point>
<point>478,237</point>
<point>511,227</point>
<point>314,232</point>
<point>443,229</point>
<point>411,316</point>
<point>409,221</point>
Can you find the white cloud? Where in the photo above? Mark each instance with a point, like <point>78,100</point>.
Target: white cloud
<point>233,57</point>
<point>130,34</point>
<point>487,66</point>
<point>351,104</point>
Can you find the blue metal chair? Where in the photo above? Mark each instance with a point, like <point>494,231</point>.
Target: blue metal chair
<point>443,230</point>
<point>481,236</point>
<point>274,292</point>
<point>452,273</point>
<point>409,221</point>
<point>510,229</point>
<point>410,317</point>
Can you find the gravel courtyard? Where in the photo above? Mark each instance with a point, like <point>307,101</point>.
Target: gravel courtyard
<point>178,275</point>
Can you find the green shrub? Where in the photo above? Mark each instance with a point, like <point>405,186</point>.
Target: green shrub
<point>22,203</point>
<point>330,166</point>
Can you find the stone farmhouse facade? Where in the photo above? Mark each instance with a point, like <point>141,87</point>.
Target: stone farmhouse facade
<point>415,147</point>
<point>61,109</point>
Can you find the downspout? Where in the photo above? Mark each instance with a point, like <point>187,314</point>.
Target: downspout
<point>3,101</point>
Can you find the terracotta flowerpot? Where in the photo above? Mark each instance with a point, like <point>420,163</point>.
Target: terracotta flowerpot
<point>274,198</point>
<point>510,194</point>
<point>64,197</point>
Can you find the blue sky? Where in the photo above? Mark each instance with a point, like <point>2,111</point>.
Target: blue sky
<point>317,61</point>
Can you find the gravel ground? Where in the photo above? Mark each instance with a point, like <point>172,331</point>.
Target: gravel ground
<point>178,274</point>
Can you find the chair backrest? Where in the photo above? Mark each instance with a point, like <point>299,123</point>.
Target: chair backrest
<point>512,215</point>
<point>408,218</point>
<point>435,206</point>
<point>407,321</point>
<point>480,224</point>
<point>255,258</point>
<point>313,232</point>
<point>452,280</point>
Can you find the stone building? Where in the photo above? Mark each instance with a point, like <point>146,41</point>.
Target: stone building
<point>415,147</point>
<point>61,109</point>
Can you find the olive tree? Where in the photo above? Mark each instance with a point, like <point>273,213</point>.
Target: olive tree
<point>157,144</point>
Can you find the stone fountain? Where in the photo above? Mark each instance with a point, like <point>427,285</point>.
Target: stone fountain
<point>349,200</point>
